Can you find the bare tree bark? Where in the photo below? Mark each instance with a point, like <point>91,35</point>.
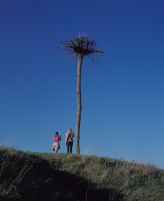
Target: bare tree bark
<point>80,47</point>
<point>79,102</point>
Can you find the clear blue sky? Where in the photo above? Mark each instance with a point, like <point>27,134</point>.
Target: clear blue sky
<point>122,93</point>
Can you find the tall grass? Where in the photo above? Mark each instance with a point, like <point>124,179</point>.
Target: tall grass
<point>11,176</point>
<point>137,182</point>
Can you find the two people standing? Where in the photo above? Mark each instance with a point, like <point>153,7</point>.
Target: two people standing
<point>68,141</point>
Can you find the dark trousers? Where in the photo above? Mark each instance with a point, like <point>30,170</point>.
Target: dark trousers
<point>69,147</point>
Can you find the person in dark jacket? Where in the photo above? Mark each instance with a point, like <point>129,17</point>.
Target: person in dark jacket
<point>69,140</point>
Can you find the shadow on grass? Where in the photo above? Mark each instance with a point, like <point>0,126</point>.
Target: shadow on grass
<point>44,183</point>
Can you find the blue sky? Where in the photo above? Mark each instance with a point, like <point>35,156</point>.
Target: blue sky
<point>122,92</point>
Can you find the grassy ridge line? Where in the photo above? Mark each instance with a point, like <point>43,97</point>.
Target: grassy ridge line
<point>44,182</point>
<point>136,182</point>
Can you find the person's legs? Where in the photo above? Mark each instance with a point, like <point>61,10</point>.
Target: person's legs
<point>53,147</point>
<point>56,147</point>
<point>71,144</point>
<point>67,147</point>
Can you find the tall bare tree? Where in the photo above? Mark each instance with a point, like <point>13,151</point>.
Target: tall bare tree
<point>79,47</point>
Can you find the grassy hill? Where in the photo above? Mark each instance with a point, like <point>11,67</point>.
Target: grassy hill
<point>26,176</point>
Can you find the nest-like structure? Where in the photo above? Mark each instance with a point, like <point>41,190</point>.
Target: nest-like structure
<point>81,45</point>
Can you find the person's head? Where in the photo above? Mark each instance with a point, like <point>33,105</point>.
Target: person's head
<point>69,130</point>
<point>56,133</point>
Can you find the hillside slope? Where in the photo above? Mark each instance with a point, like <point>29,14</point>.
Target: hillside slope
<point>49,177</point>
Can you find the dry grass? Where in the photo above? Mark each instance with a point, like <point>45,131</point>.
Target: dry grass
<point>137,182</point>
<point>8,187</point>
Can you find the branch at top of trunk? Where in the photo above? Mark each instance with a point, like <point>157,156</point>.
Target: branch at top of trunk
<point>81,45</point>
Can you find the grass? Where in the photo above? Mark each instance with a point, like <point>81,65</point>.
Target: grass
<point>27,176</point>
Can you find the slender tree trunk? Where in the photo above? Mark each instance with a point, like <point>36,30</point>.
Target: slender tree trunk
<point>79,104</point>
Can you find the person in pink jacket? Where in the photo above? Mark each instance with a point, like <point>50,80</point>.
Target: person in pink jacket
<point>56,142</point>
